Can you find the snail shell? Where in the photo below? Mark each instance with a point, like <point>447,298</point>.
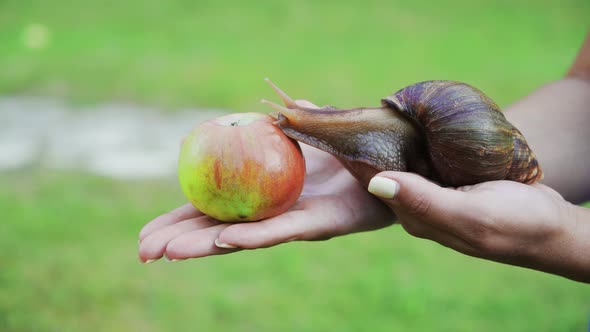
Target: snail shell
<point>468,139</point>
<point>447,131</point>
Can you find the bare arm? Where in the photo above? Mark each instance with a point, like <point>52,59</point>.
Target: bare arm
<point>555,119</point>
<point>525,225</point>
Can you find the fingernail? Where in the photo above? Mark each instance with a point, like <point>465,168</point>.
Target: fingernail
<point>149,261</point>
<point>383,187</point>
<point>224,245</point>
<point>168,260</point>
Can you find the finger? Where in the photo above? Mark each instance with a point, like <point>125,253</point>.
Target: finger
<point>198,243</point>
<point>153,246</point>
<point>308,221</point>
<point>413,196</point>
<point>288,227</point>
<point>184,212</point>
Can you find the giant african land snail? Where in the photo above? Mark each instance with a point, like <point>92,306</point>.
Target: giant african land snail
<point>447,131</point>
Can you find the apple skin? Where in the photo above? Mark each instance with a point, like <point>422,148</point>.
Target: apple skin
<point>241,167</point>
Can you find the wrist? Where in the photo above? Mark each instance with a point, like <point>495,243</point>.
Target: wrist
<point>567,254</point>
<point>580,238</point>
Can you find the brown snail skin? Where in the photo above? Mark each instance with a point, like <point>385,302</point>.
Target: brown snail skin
<point>449,132</point>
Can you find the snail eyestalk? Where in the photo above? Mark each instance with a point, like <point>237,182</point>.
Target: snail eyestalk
<point>289,102</point>
<point>280,110</point>
<point>277,107</point>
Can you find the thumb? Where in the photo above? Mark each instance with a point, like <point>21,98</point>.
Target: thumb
<point>425,210</point>
<point>413,195</point>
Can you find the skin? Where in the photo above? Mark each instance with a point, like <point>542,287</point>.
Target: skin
<point>532,226</point>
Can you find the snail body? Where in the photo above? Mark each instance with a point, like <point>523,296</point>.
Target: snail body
<point>447,131</point>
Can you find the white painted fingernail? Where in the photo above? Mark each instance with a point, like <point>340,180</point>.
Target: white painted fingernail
<point>149,261</point>
<point>224,245</point>
<point>383,187</point>
<point>168,260</point>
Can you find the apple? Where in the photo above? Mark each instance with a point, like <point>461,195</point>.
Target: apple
<point>241,167</point>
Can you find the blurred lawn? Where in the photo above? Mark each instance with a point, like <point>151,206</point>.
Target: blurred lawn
<point>69,264</point>
<point>216,53</point>
<point>68,240</point>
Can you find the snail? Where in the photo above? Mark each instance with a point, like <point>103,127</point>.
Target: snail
<point>446,131</point>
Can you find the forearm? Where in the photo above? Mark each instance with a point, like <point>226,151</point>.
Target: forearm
<point>555,120</point>
<point>581,250</point>
<point>568,254</point>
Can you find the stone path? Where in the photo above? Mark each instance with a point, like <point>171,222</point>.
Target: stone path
<point>115,140</point>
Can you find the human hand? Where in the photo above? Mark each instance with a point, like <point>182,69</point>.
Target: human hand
<point>332,203</point>
<point>525,225</point>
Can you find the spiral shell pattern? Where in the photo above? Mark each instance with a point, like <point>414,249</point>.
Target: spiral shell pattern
<point>468,139</point>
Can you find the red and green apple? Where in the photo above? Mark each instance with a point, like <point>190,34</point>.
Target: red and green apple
<point>241,167</point>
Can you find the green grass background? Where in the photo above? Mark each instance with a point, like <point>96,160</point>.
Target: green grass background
<point>68,240</point>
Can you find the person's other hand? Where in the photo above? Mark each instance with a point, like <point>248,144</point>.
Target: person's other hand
<point>332,203</point>
<point>526,225</point>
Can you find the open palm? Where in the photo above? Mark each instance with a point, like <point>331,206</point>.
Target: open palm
<point>332,203</point>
